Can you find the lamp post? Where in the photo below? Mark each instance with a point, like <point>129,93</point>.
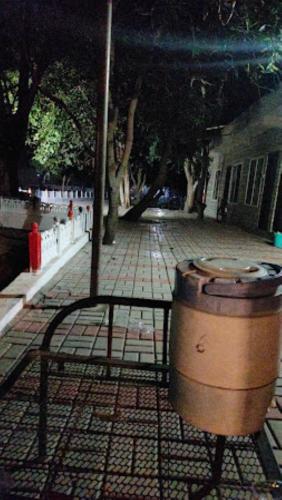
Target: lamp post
<point>101,140</point>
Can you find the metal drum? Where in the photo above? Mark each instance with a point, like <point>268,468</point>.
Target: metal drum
<point>224,343</point>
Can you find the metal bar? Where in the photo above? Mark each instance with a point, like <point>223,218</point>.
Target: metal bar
<point>165,335</point>
<point>42,431</point>
<point>13,376</point>
<point>104,45</point>
<point>217,464</point>
<point>110,332</point>
<point>92,360</point>
<point>165,339</point>
<point>216,471</point>
<point>100,299</point>
<point>144,382</point>
<point>110,337</point>
<point>269,464</point>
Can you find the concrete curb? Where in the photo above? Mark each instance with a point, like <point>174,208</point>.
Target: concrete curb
<point>26,285</point>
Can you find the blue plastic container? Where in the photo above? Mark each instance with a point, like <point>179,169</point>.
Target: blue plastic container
<point>278,240</point>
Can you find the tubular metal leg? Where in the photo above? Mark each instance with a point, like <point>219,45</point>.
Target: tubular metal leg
<point>61,366</point>
<point>110,337</point>
<point>42,434</point>
<point>165,340</point>
<point>218,461</point>
<point>216,470</point>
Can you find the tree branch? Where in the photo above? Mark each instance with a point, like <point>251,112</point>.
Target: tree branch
<point>36,77</point>
<point>23,91</point>
<point>135,212</point>
<point>111,163</point>
<point>63,106</point>
<point>130,127</point>
<point>5,93</point>
<point>233,5</point>
<point>4,100</point>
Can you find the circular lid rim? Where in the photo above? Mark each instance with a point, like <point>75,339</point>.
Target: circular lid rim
<point>248,269</point>
<point>266,285</point>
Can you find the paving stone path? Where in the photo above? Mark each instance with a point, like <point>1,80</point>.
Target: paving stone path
<point>141,264</point>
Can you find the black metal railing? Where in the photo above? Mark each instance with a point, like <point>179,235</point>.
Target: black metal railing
<point>49,359</point>
<point>112,301</point>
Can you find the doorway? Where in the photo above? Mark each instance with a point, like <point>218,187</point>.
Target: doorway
<point>269,184</point>
<point>277,223</point>
<point>226,185</point>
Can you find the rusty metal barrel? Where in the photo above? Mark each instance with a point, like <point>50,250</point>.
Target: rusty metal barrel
<point>224,343</point>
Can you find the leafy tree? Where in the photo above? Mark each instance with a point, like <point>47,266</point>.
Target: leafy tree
<point>62,123</point>
<point>210,54</point>
<point>33,35</point>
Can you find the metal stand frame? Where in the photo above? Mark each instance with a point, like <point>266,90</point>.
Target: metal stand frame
<point>45,357</point>
<point>216,470</point>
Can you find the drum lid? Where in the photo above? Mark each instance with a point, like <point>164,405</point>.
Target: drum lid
<point>230,267</point>
<point>227,277</point>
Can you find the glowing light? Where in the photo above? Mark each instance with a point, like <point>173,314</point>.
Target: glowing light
<point>256,51</point>
<point>177,44</point>
<point>222,64</point>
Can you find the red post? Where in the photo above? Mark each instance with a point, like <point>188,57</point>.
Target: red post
<point>70,210</point>
<point>34,243</point>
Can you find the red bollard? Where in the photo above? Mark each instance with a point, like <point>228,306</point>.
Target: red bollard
<point>70,210</point>
<point>34,243</point>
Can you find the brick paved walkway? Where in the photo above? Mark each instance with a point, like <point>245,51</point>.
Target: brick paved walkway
<point>141,264</point>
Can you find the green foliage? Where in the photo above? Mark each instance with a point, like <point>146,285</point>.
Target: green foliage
<point>54,144</point>
<point>45,136</point>
<point>54,141</point>
<point>201,63</point>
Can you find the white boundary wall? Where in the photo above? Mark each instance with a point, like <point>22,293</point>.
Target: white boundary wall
<point>7,204</point>
<point>60,236</point>
<point>59,245</point>
<point>54,196</point>
<point>18,213</point>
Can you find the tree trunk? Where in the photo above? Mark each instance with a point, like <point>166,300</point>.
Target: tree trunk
<point>15,125</point>
<point>114,174</point>
<point>200,202</point>
<point>122,194</point>
<point>14,179</point>
<point>4,180</point>
<point>135,212</point>
<point>111,223</point>
<point>14,145</point>
<point>113,182</point>
<point>191,189</point>
<point>125,191</point>
<point>138,184</point>
<point>11,164</point>
<point>63,183</point>
<point>190,197</point>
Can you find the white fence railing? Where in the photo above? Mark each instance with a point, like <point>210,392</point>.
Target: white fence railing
<point>55,196</point>
<point>55,240</point>
<point>19,213</point>
<point>10,204</point>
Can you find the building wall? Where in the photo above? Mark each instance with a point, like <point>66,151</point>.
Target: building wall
<point>254,134</point>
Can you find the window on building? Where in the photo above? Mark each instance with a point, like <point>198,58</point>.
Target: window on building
<point>216,185</point>
<point>254,181</point>
<point>235,183</point>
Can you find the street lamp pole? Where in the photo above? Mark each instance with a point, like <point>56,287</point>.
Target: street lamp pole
<point>101,141</point>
